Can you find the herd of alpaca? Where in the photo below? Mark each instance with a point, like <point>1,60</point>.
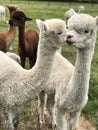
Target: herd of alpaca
<point>28,41</point>
<point>66,86</point>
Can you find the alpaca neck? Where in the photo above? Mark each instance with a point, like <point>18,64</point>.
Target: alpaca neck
<point>44,60</point>
<point>39,74</point>
<point>11,36</point>
<point>21,37</point>
<point>81,75</point>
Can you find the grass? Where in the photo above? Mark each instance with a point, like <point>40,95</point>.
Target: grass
<point>47,10</point>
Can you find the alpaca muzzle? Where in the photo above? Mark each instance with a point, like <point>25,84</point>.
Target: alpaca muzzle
<point>11,22</point>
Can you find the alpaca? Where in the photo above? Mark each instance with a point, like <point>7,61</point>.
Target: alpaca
<point>28,41</point>
<point>82,35</point>
<point>2,13</point>
<point>7,38</point>
<point>18,85</point>
<point>67,87</point>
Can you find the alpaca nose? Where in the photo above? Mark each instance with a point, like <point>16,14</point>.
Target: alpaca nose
<point>10,22</point>
<point>69,39</point>
<point>69,36</point>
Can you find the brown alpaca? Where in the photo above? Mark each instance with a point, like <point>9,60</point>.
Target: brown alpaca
<point>6,38</point>
<point>28,41</point>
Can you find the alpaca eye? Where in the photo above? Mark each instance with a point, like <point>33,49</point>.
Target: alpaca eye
<point>59,33</point>
<point>86,31</point>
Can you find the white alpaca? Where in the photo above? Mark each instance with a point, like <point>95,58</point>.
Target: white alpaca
<point>82,35</point>
<point>17,85</point>
<point>68,85</point>
<point>2,13</point>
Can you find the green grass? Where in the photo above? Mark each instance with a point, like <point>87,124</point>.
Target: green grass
<point>45,10</point>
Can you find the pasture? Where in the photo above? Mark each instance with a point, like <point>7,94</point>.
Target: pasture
<point>48,10</point>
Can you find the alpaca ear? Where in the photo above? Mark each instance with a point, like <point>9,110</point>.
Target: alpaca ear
<point>6,5</point>
<point>96,18</point>
<point>81,8</point>
<point>28,19</point>
<point>69,14</point>
<point>17,8</point>
<point>41,25</point>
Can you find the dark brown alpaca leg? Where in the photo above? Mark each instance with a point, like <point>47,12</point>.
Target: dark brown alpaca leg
<point>31,62</point>
<point>22,61</point>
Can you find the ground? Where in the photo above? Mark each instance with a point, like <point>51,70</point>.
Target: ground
<point>32,123</point>
<point>29,119</point>
<point>84,124</point>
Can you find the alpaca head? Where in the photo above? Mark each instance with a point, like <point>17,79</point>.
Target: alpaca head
<point>81,8</point>
<point>12,8</point>
<point>54,30</point>
<point>81,29</point>
<point>18,18</point>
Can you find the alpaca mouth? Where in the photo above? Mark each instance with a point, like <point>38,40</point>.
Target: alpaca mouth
<point>69,42</point>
